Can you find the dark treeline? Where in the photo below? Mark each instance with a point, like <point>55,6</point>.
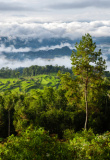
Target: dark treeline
<point>31,71</point>
<point>10,73</point>
<point>35,70</point>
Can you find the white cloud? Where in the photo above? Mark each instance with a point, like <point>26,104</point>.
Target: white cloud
<point>65,60</point>
<point>39,61</point>
<point>42,30</point>
<point>47,48</point>
<point>12,49</point>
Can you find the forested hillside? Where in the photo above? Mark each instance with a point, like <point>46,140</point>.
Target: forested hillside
<point>64,116</point>
<point>31,71</point>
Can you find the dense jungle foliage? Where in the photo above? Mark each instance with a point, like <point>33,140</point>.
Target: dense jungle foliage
<point>70,121</point>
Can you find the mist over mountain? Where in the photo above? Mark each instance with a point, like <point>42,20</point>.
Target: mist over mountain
<point>23,52</point>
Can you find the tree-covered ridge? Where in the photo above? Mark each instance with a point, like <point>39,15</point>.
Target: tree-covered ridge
<point>64,122</point>
<point>31,71</point>
<point>35,70</point>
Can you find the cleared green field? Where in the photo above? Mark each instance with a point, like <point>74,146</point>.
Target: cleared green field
<point>28,84</point>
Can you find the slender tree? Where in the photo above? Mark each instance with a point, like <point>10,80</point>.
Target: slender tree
<point>9,102</point>
<point>88,67</point>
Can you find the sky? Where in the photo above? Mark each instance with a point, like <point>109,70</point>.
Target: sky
<point>53,19</point>
<point>47,18</point>
<point>59,10</point>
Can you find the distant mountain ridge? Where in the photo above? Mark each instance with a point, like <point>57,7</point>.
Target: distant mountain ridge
<point>17,48</point>
<point>33,42</point>
<point>50,54</point>
<point>47,48</point>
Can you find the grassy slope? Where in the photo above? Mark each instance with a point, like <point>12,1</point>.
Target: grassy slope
<point>28,84</point>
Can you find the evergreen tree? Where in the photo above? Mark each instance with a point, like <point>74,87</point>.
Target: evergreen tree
<point>88,67</point>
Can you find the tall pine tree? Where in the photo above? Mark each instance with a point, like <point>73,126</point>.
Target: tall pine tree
<point>88,67</point>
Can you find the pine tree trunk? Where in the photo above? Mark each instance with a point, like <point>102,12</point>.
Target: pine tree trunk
<point>85,126</point>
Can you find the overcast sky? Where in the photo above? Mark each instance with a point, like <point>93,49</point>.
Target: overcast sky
<point>48,10</point>
<point>59,18</point>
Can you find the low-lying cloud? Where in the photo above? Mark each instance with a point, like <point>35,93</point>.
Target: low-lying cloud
<point>47,48</point>
<point>12,49</point>
<point>60,61</point>
<point>38,61</point>
<point>39,30</point>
